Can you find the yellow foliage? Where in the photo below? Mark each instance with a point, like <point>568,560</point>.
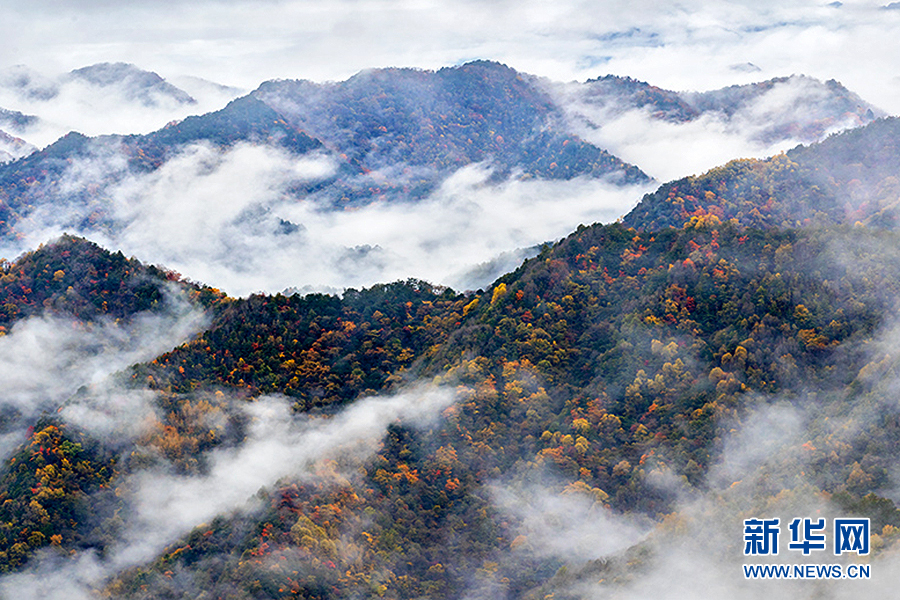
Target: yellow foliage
<point>499,292</point>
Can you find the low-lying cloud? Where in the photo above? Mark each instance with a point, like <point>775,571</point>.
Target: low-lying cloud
<point>44,360</point>
<point>64,103</point>
<point>162,506</point>
<point>790,112</point>
<point>573,525</point>
<point>228,218</point>
<point>278,445</point>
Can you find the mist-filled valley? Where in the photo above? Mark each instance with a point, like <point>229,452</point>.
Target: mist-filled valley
<point>452,176</point>
<point>455,333</point>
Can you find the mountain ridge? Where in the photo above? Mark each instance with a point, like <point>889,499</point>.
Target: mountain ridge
<point>847,177</point>
<point>146,87</point>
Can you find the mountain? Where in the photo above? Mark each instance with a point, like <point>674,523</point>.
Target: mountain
<point>441,121</point>
<point>393,135</point>
<point>16,121</point>
<point>653,127</point>
<point>28,83</point>
<point>77,278</point>
<point>39,180</point>
<point>849,177</point>
<point>133,83</point>
<point>12,148</point>
<point>72,314</point>
<point>615,95</point>
<point>243,120</point>
<point>796,108</point>
<point>382,137</point>
<point>719,354</point>
<point>129,81</point>
<point>100,99</point>
<point>614,360</point>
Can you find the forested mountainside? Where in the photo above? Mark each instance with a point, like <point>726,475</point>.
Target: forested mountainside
<point>604,379</point>
<point>824,103</point>
<point>849,177</point>
<point>442,120</point>
<point>612,360</point>
<point>77,278</point>
<point>84,303</point>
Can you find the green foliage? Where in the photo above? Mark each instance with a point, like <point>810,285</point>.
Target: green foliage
<point>77,277</point>
<point>319,349</point>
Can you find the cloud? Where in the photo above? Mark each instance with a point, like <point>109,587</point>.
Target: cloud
<point>12,148</point>
<point>775,458</point>
<point>162,506</point>
<point>678,45</point>
<point>128,102</point>
<point>278,445</point>
<point>675,45</point>
<point>57,576</point>
<point>574,525</point>
<point>799,109</point>
<point>669,151</point>
<point>228,218</point>
<point>697,551</point>
<point>45,360</point>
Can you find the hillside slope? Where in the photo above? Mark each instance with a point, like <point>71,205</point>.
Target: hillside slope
<point>608,375</point>
<point>849,177</point>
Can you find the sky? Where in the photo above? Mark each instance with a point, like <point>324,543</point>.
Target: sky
<point>682,45</point>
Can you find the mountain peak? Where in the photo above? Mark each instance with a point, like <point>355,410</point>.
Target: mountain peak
<point>137,84</point>
<point>12,147</point>
<point>15,120</point>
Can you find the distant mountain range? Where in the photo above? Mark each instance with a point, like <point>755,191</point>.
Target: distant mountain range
<point>11,146</point>
<point>15,121</point>
<point>443,120</point>
<point>797,108</point>
<point>137,84</point>
<point>100,99</point>
<point>392,134</point>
